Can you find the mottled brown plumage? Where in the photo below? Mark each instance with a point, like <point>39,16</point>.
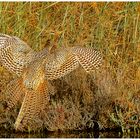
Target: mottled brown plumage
<point>34,69</point>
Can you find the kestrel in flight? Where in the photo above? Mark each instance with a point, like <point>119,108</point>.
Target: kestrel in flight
<point>35,69</point>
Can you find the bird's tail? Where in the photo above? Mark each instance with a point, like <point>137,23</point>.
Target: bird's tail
<point>33,103</point>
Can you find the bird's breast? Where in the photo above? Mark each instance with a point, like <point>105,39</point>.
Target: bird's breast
<point>33,78</point>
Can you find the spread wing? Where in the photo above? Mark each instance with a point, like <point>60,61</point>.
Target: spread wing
<point>14,93</point>
<point>14,53</point>
<point>66,60</point>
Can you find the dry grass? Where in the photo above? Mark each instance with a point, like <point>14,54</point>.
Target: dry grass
<point>112,96</point>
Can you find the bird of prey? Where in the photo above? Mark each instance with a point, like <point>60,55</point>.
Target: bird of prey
<point>34,70</point>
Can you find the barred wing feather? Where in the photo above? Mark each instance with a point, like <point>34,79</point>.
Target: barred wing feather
<point>61,64</point>
<point>88,58</point>
<point>13,96</point>
<point>14,53</point>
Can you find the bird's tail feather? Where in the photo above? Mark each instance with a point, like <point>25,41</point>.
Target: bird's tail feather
<point>34,102</point>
